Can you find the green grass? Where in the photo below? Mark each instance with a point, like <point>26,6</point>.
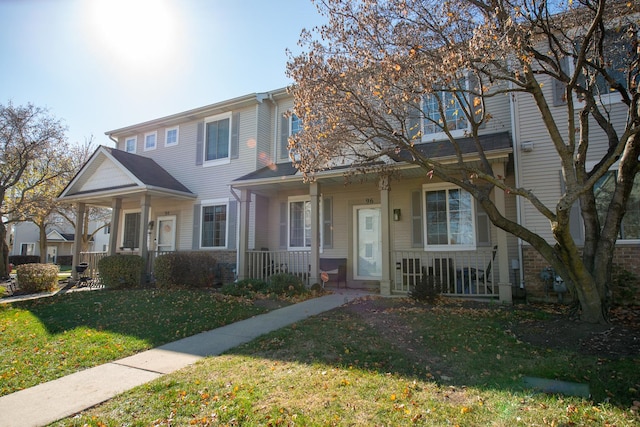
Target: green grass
<point>47,338</point>
<point>396,364</point>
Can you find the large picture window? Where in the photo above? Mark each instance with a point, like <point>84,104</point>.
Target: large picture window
<point>214,226</point>
<point>449,219</point>
<point>217,138</point>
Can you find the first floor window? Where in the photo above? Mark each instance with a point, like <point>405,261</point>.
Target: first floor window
<point>300,224</point>
<point>630,227</point>
<point>131,237</point>
<point>214,226</point>
<point>449,218</point>
<point>27,249</point>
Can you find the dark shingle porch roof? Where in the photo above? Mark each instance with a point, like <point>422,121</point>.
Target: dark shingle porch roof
<point>492,142</point>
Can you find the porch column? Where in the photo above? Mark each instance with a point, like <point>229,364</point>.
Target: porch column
<point>145,202</point>
<point>385,280</point>
<point>77,241</point>
<point>243,235</point>
<point>503,253</point>
<point>314,259</point>
<point>116,208</point>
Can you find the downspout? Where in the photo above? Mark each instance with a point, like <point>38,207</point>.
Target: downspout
<point>114,140</point>
<point>516,166</point>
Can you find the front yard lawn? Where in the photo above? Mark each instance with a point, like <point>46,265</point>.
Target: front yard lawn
<point>395,362</point>
<point>47,338</point>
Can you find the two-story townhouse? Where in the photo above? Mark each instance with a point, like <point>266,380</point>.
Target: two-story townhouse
<point>385,233</point>
<point>219,178</point>
<point>167,180</point>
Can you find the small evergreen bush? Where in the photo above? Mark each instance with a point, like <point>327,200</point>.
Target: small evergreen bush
<point>3,291</point>
<point>185,269</point>
<point>121,271</point>
<point>245,288</point>
<point>34,278</point>
<point>426,289</point>
<point>286,284</point>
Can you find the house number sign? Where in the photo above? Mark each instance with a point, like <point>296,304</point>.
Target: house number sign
<point>368,201</point>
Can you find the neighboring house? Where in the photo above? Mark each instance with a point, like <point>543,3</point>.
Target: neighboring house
<point>219,178</point>
<point>25,239</point>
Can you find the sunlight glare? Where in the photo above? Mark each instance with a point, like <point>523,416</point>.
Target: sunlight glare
<point>138,34</point>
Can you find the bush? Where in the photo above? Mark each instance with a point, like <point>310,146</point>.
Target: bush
<point>186,269</point>
<point>426,289</point>
<point>121,271</point>
<point>3,291</point>
<point>24,259</point>
<point>286,284</point>
<point>625,287</point>
<point>34,278</point>
<point>64,259</point>
<point>245,288</point>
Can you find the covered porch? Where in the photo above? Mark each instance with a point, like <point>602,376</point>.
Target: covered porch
<point>145,202</point>
<point>360,234</point>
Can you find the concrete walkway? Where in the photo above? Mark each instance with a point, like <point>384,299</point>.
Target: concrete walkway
<point>66,396</point>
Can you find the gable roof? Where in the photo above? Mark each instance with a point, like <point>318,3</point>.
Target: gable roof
<point>110,172</point>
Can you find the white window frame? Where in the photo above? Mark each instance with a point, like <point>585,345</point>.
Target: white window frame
<point>213,203</point>
<point>28,244</point>
<point>154,136</point>
<point>133,139</point>
<point>440,135</point>
<point>122,229</point>
<point>614,168</point>
<point>449,246</point>
<point>294,199</point>
<point>290,200</point>
<point>223,160</point>
<point>293,131</point>
<point>166,136</point>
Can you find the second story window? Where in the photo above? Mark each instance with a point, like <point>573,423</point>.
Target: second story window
<point>171,137</point>
<point>454,118</point>
<point>150,141</point>
<point>217,138</point>
<point>290,125</point>
<point>130,145</point>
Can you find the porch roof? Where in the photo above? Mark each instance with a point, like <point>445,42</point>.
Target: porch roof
<point>111,172</point>
<point>496,145</point>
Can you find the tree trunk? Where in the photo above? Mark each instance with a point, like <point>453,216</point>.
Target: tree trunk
<point>43,243</point>
<point>4,251</point>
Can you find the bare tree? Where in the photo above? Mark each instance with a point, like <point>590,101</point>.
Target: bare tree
<point>31,143</point>
<point>361,89</point>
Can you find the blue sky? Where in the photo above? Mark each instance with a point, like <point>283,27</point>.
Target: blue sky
<point>104,64</point>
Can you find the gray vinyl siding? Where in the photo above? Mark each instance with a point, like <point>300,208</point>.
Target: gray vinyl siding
<point>540,168</point>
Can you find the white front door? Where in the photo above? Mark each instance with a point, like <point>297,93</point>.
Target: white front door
<point>368,242</point>
<point>166,234</point>
<point>52,254</point>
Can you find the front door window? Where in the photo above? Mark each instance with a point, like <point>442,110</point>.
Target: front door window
<point>368,238</point>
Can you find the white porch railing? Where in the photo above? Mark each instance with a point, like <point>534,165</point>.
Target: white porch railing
<point>264,263</point>
<point>460,273</point>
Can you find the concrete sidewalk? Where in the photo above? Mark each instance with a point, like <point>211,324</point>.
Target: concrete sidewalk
<point>66,396</point>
